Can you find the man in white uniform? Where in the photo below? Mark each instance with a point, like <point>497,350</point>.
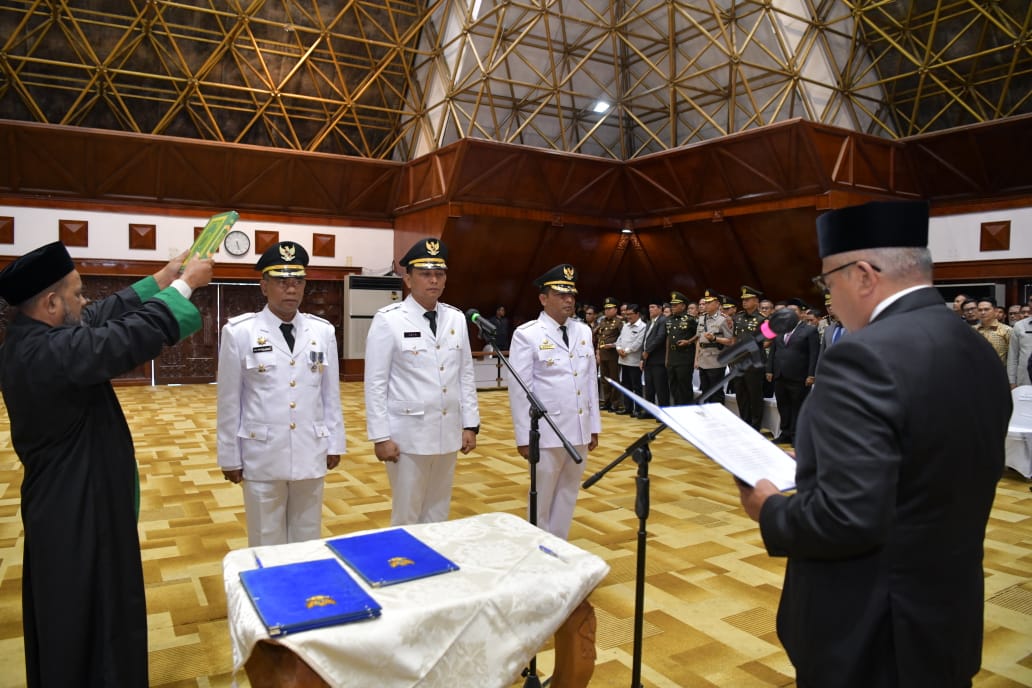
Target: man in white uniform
<point>554,355</point>
<point>420,394</point>
<point>629,345</point>
<point>280,425</point>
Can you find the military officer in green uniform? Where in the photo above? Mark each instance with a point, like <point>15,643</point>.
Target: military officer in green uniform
<point>608,330</point>
<point>681,336</point>
<point>749,387</point>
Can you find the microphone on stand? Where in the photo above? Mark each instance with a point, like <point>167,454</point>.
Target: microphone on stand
<point>486,327</point>
<point>780,322</point>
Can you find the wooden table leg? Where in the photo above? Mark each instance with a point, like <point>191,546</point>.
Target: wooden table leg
<point>575,649</point>
<point>273,666</point>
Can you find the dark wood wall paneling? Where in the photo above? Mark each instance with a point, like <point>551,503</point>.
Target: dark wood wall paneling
<point>194,360</point>
<point>718,214</point>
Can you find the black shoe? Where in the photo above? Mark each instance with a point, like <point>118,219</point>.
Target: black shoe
<point>781,439</point>
<point>621,412</point>
<point>605,407</point>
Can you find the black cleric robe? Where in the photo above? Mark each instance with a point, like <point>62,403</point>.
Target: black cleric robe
<point>84,612</point>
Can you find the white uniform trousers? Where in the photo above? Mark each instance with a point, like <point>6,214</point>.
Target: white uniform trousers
<point>421,486</point>
<point>558,481</point>
<point>282,511</point>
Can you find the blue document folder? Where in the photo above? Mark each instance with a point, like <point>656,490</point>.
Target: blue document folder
<point>387,557</point>
<point>306,595</point>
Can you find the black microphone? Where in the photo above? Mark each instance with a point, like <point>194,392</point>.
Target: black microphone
<point>486,326</point>
<point>780,322</point>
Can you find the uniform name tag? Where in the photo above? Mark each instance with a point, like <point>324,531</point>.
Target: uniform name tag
<point>259,349</point>
<point>413,334</point>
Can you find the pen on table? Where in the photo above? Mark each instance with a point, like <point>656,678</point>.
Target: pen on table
<point>258,561</point>
<point>551,553</point>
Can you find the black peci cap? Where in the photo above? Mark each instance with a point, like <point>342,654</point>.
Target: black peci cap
<point>879,224</point>
<point>34,272</point>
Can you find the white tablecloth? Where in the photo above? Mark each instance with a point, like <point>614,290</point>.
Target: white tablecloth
<point>478,626</point>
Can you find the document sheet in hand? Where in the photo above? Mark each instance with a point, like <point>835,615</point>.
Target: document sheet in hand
<point>721,435</point>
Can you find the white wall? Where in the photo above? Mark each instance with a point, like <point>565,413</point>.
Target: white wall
<point>953,238</point>
<point>368,248</point>
<point>957,237</point>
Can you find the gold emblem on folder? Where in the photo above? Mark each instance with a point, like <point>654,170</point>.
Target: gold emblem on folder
<point>319,601</point>
<point>395,562</point>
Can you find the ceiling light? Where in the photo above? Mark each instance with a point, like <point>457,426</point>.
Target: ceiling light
<point>600,106</point>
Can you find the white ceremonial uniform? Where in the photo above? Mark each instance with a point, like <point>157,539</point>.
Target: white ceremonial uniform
<point>564,378</point>
<point>279,416</point>
<point>631,340</point>
<point>420,392</point>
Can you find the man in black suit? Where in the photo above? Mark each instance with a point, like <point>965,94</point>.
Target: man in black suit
<point>884,535</point>
<point>791,366</point>
<point>653,358</point>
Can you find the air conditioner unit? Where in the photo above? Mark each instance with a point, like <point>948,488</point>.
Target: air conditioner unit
<point>363,296</point>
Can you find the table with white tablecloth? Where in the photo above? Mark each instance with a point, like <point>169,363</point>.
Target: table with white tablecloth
<point>478,626</point>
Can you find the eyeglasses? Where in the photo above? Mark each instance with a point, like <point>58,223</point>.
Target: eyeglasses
<point>821,280</point>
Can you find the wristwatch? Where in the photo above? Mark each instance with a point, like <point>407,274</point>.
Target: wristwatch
<point>475,430</point>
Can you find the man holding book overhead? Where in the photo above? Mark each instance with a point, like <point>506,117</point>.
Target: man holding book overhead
<point>84,612</point>
<point>280,425</point>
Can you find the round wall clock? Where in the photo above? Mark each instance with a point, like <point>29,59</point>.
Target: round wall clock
<point>237,243</point>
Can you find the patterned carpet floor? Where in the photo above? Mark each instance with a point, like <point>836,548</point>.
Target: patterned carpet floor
<point>711,591</point>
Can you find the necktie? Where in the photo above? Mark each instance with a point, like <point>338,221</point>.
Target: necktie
<point>288,333</point>
<point>837,333</point>
<point>566,339</point>
<point>432,317</point>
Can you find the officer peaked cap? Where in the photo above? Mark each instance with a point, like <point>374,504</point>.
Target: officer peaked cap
<point>429,253</point>
<point>285,259</point>
<point>562,278</point>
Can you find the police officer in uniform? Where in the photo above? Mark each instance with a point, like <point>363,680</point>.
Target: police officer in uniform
<point>554,356</point>
<point>682,332</point>
<point>420,393</point>
<point>715,332</point>
<point>280,425</point>
<point>749,387</point>
<point>608,330</point>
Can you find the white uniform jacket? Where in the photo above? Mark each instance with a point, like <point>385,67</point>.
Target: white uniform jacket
<point>563,378</point>
<point>419,388</point>
<point>279,412</point>
<point>631,340</point>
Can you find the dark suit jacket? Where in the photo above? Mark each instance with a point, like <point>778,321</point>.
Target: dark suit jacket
<point>796,360</point>
<point>899,448</point>
<point>655,342</point>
